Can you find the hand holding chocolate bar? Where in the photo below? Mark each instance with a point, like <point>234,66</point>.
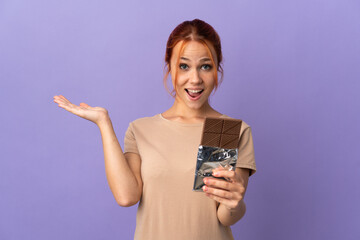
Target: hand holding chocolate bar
<point>218,147</point>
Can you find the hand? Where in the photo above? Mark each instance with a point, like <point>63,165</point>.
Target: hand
<point>93,114</point>
<point>229,193</point>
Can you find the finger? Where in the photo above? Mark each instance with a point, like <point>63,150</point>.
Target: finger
<point>236,192</point>
<point>218,192</point>
<point>67,107</point>
<point>235,188</point>
<point>59,99</point>
<point>228,203</point>
<point>72,108</point>
<point>224,173</point>
<point>85,105</point>
<point>218,183</point>
<point>223,166</point>
<point>64,98</point>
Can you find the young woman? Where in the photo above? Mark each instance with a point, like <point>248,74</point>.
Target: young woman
<point>157,165</point>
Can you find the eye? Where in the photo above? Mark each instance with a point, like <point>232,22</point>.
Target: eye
<point>206,67</point>
<point>183,66</point>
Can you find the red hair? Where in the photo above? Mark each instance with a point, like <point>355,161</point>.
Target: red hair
<point>195,30</point>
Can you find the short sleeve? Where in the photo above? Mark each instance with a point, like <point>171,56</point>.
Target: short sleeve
<point>130,141</point>
<point>246,156</point>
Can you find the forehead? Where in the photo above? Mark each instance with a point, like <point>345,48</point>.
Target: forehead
<point>192,49</point>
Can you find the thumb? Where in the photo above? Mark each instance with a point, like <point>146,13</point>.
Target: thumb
<point>84,105</point>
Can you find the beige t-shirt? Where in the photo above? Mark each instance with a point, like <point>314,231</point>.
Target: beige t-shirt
<point>168,208</point>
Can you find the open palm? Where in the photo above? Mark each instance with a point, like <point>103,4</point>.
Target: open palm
<point>94,114</point>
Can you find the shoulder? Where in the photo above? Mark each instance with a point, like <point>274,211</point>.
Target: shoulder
<point>145,121</point>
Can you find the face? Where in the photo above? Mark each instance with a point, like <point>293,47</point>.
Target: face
<point>195,74</point>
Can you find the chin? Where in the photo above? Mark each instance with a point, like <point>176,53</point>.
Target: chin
<point>196,106</point>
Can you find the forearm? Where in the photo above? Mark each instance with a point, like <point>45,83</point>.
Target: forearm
<point>121,179</point>
<point>229,217</point>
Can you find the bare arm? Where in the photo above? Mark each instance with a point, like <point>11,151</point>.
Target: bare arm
<point>229,216</point>
<point>122,170</point>
<point>230,194</point>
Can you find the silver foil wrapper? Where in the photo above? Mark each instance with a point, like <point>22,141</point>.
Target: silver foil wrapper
<point>209,158</point>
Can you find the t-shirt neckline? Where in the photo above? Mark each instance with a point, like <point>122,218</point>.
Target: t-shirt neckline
<point>183,124</point>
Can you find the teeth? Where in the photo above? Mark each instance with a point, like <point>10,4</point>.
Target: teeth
<point>194,91</point>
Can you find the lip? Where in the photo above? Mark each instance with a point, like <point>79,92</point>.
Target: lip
<point>195,88</point>
<point>194,98</point>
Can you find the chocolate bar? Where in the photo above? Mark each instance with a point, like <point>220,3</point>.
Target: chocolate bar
<point>218,147</point>
<point>223,133</point>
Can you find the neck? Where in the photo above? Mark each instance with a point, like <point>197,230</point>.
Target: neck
<point>181,110</point>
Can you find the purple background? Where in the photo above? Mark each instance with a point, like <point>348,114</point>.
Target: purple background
<point>291,72</point>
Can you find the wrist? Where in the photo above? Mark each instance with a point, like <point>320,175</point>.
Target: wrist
<point>237,208</point>
<point>104,120</point>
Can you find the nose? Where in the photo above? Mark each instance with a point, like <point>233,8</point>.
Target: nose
<point>195,77</point>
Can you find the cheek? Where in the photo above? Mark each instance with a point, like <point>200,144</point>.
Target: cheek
<point>209,79</point>
<point>181,79</point>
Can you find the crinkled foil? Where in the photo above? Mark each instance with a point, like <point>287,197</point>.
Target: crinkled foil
<point>209,158</point>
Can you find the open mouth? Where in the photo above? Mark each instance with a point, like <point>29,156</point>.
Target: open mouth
<point>194,94</point>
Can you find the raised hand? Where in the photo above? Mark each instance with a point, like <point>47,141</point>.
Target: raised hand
<point>93,114</point>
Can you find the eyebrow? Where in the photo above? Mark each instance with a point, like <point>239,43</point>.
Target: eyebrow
<point>204,59</point>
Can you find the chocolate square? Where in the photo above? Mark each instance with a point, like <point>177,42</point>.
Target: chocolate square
<point>231,127</point>
<point>211,139</point>
<point>219,132</point>
<point>229,141</point>
<point>213,125</point>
